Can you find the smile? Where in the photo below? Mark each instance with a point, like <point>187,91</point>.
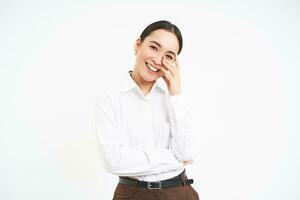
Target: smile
<point>152,68</point>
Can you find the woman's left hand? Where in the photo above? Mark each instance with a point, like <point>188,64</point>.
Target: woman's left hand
<point>187,162</point>
<point>172,75</point>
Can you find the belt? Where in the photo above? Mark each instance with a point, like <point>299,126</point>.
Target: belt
<point>181,179</point>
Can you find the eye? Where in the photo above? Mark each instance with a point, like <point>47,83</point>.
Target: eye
<point>169,57</point>
<point>153,47</point>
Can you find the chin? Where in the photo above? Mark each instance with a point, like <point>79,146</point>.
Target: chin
<point>148,77</point>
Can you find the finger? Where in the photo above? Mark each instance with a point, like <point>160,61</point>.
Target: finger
<point>165,78</point>
<point>169,63</point>
<point>177,62</point>
<point>188,162</point>
<point>165,71</point>
<point>168,67</point>
<point>169,77</point>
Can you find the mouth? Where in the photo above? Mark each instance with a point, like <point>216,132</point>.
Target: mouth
<point>153,69</point>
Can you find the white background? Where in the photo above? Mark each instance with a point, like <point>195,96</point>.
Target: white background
<point>240,68</point>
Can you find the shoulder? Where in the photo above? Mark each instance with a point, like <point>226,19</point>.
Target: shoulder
<point>111,90</point>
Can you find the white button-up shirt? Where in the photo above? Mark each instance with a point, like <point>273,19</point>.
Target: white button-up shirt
<point>146,137</point>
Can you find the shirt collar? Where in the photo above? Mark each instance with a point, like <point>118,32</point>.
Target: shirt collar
<point>129,83</point>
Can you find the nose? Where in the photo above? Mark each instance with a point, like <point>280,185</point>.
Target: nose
<point>158,60</point>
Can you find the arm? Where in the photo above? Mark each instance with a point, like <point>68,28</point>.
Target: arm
<point>182,123</point>
<point>118,157</point>
<point>183,129</point>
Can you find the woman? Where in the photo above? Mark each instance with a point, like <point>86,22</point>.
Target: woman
<point>144,126</point>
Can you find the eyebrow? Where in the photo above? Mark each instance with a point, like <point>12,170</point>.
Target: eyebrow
<point>160,46</point>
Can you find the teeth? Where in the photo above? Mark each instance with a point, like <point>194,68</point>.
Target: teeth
<point>152,68</point>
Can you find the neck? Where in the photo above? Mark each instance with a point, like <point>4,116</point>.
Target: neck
<point>145,86</point>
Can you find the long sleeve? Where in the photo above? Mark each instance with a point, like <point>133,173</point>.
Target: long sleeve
<point>118,157</point>
<point>184,130</point>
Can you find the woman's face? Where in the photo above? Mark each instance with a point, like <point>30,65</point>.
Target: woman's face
<point>160,43</point>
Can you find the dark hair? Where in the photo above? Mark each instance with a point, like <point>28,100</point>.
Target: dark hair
<point>165,25</point>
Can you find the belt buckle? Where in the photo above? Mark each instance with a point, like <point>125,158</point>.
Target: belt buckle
<point>150,186</point>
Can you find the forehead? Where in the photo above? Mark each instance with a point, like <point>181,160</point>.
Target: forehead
<point>166,39</point>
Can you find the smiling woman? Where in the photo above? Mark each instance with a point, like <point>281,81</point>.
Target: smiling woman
<point>155,54</point>
<point>144,125</point>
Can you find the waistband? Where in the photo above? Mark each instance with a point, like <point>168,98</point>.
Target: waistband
<point>178,180</point>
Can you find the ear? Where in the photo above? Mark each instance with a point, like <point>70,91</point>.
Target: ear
<point>137,45</point>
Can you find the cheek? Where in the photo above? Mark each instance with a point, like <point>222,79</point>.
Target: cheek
<point>148,53</point>
<point>145,55</point>
<point>140,57</point>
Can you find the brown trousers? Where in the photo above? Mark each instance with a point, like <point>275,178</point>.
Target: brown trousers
<point>183,192</point>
